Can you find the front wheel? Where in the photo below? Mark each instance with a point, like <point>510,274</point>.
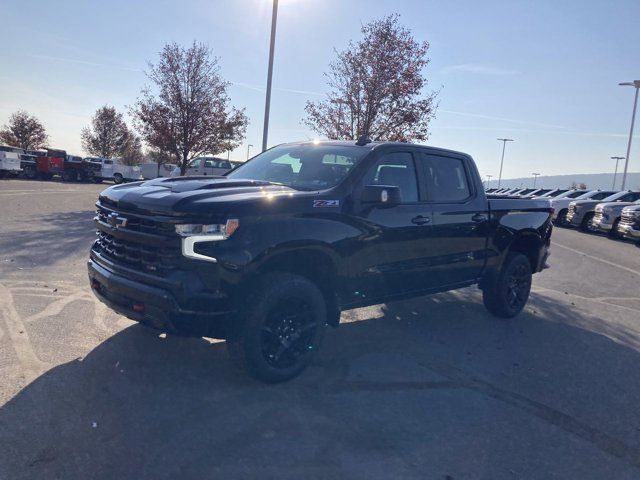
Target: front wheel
<point>282,325</point>
<point>585,225</point>
<point>613,233</point>
<point>118,178</point>
<point>506,295</point>
<point>69,176</point>
<point>561,219</point>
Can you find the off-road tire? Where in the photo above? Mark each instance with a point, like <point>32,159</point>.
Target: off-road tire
<point>498,294</point>
<point>264,307</point>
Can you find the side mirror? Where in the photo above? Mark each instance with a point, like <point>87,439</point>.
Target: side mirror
<point>383,195</point>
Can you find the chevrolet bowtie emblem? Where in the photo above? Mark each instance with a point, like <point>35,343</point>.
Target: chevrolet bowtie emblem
<point>115,221</point>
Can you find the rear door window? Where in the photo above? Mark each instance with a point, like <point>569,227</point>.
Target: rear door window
<point>445,179</point>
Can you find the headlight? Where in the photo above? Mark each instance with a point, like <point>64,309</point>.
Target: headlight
<point>224,230</point>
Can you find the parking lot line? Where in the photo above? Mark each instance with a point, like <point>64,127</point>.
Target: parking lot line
<point>622,267</point>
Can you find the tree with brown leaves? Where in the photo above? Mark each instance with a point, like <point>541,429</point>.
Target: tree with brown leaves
<point>24,131</point>
<point>376,88</point>
<point>108,134</point>
<point>189,114</point>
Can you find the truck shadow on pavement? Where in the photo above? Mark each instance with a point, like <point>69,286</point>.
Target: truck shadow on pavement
<point>64,234</point>
<point>425,388</point>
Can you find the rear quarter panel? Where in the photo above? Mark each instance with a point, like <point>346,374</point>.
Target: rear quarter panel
<point>511,219</point>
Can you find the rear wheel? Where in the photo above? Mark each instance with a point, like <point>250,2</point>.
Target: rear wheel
<point>118,178</point>
<point>282,326</point>
<point>506,295</point>
<point>585,225</point>
<point>69,176</point>
<point>30,173</point>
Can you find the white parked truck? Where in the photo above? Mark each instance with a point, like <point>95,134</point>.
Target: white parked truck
<point>113,169</point>
<point>205,166</point>
<point>9,161</point>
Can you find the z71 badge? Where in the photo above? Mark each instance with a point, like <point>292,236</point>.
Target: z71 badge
<point>326,203</point>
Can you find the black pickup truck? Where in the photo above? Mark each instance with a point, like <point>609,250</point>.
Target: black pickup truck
<point>268,254</point>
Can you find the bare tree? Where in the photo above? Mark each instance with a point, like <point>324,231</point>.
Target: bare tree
<point>376,88</point>
<point>189,115</point>
<point>24,131</point>
<point>108,134</point>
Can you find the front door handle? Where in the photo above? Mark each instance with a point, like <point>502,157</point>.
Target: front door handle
<point>479,217</point>
<point>420,220</point>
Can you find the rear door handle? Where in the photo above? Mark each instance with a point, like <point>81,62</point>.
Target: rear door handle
<point>479,217</point>
<point>420,220</point>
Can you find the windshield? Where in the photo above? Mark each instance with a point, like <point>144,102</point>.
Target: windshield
<point>578,194</point>
<point>600,196</point>
<point>624,197</point>
<point>303,167</point>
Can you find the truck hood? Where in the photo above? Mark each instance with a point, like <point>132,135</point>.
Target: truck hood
<point>207,196</point>
<point>632,208</point>
<point>614,205</point>
<point>586,203</point>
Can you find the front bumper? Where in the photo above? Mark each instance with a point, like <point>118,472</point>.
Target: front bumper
<point>602,225</point>
<point>157,307</point>
<point>574,219</point>
<point>628,231</point>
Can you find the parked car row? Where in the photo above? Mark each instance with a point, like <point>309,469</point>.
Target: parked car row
<point>47,163</point>
<point>614,212</point>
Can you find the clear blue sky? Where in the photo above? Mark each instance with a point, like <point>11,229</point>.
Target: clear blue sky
<point>544,73</point>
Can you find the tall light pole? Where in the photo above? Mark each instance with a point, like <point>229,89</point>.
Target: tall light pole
<point>636,85</point>
<point>248,148</point>
<point>489,177</point>
<point>504,144</point>
<point>615,173</point>
<point>267,102</point>
<point>535,177</point>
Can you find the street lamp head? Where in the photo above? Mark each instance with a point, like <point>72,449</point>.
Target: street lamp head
<point>505,139</point>
<point>635,83</point>
<point>618,158</point>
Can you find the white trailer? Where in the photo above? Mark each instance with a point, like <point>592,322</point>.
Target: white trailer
<point>152,170</point>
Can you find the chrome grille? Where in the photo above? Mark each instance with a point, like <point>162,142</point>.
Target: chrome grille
<point>628,219</point>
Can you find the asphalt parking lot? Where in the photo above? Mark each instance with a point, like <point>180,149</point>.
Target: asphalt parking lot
<point>429,388</point>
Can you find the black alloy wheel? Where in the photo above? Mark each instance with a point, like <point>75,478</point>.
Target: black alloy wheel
<point>288,333</point>
<point>518,286</point>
